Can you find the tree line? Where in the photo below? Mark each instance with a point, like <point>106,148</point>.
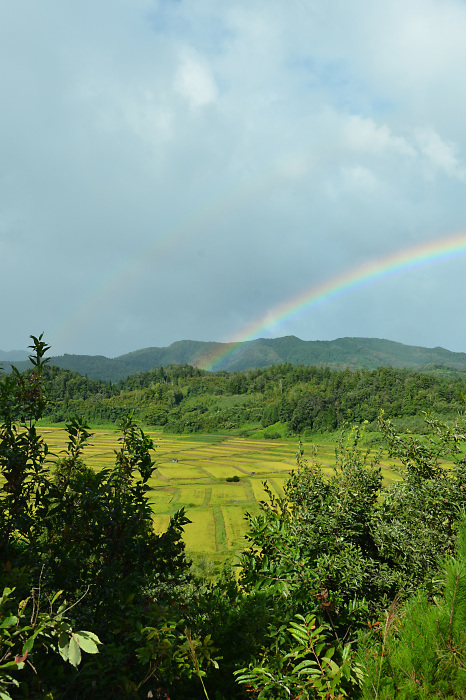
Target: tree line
<point>298,399</point>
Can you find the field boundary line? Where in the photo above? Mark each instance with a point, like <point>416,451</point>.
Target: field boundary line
<point>207,495</point>
<point>220,530</point>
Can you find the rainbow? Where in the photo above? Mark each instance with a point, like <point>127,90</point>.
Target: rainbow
<point>438,250</point>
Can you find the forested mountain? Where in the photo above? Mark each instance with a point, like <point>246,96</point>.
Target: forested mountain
<point>355,353</point>
<point>13,355</point>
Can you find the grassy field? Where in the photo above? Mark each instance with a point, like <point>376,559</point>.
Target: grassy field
<point>192,473</point>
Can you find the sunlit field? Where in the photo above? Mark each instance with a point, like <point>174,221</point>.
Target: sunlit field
<point>192,473</point>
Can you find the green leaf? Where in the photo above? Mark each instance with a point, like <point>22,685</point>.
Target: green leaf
<point>319,648</point>
<point>329,653</point>
<point>87,641</point>
<point>306,665</point>
<point>64,645</point>
<point>4,695</point>
<point>29,643</point>
<point>57,594</point>
<point>6,594</point>
<point>74,654</point>
<point>334,668</point>
<point>12,665</point>
<point>9,621</point>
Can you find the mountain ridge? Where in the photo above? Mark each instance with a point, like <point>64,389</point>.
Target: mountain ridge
<point>13,355</point>
<point>351,352</point>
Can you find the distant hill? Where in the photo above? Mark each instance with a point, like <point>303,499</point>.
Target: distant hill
<point>354,353</point>
<point>13,355</point>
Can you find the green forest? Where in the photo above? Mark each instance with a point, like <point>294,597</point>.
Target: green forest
<point>283,399</point>
<point>348,588</point>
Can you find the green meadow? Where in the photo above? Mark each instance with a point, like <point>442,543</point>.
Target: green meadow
<point>192,472</point>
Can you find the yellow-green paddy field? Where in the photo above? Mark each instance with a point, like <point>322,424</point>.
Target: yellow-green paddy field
<point>192,472</point>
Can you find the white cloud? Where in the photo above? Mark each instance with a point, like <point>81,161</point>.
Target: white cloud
<point>365,136</point>
<point>441,155</point>
<point>194,82</point>
<point>359,179</point>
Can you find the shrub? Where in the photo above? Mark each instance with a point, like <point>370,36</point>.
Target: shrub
<point>419,651</point>
<point>90,535</point>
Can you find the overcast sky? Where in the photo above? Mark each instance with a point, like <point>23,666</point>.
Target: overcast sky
<point>179,169</point>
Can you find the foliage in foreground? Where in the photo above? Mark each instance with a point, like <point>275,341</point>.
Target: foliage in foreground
<point>304,665</point>
<point>420,651</point>
<point>323,567</point>
<point>88,536</point>
<point>349,544</point>
<point>336,551</point>
<point>26,631</point>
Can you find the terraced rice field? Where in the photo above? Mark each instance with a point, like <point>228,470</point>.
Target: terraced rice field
<point>192,473</point>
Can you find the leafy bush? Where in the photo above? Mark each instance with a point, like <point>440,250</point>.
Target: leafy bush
<point>337,550</point>
<point>302,663</point>
<point>420,651</point>
<point>27,633</point>
<point>89,535</point>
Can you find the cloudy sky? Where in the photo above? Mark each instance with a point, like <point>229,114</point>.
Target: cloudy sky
<point>181,169</point>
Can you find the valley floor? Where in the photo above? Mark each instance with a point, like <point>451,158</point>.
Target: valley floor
<point>192,472</point>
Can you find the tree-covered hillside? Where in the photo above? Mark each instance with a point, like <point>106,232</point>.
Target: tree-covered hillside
<point>185,399</point>
<point>355,353</point>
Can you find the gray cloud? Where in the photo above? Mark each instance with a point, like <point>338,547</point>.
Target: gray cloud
<point>176,170</point>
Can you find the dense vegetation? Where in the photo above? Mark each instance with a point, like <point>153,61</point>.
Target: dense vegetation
<point>339,593</point>
<point>285,399</point>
